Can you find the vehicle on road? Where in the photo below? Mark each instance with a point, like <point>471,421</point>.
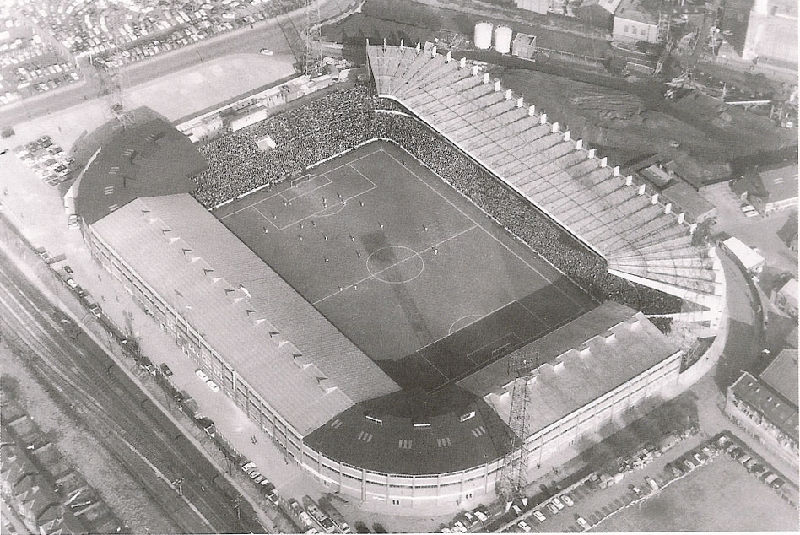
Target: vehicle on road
<point>538,515</point>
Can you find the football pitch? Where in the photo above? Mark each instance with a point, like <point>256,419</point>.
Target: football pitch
<point>414,274</point>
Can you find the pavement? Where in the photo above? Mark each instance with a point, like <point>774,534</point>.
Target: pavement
<point>756,231</point>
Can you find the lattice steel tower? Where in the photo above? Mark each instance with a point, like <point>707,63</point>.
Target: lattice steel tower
<point>514,475</point>
<point>313,33</point>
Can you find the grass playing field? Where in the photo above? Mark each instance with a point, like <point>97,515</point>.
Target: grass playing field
<point>414,274</point>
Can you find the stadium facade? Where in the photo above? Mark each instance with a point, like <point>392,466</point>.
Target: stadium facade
<point>327,404</point>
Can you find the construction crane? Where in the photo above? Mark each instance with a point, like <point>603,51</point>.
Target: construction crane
<point>514,475</point>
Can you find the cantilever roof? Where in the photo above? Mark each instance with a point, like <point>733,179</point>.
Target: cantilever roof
<point>274,339</point>
<point>618,344</point>
<point>144,160</point>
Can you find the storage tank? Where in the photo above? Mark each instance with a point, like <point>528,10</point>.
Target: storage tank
<point>483,35</point>
<point>502,39</point>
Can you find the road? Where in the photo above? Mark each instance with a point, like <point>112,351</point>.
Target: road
<point>192,494</point>
<point>265,34</point>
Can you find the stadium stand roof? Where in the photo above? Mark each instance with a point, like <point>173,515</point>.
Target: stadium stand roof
<point>145,160</point>
<point>463,433</point>
<point>274,339</point>
<point>781,375</point>
<point>639,236</point>
<point>580,362</point>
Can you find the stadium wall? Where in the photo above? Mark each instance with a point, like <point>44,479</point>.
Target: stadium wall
<point>454,490</point>
<point>195,347</point>
<point>443,491</point>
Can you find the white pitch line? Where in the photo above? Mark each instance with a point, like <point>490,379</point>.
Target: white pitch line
<point>482,228</point>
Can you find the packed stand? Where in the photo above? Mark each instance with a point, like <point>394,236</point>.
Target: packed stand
<point>518,216</point>
<point>343,119</point>
<point>320,129</point>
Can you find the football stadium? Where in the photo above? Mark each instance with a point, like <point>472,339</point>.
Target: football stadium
<point>358,271</point>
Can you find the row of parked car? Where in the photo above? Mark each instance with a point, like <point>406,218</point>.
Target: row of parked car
<point>47,159</point>
<point>466,520</point>
<point>313,520</point>
<point>250,468</point>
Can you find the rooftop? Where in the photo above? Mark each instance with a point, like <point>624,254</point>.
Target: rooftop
<point>781,374</point>
<point>454,431</point>
<point>689,200</point>
<point>763,398</point>
<point>638,10</point>
<point>275,340</point>
<point>580,362</point>
<point>145,160</point>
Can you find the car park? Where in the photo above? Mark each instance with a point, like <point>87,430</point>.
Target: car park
<point>538,515</point>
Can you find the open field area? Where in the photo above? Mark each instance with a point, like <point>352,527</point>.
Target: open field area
<point>721,496</point>
<point>413,274</point>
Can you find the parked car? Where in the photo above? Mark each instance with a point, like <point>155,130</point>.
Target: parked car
<point>567,500</point>
<point>552,508</point>
<point>213,386</point>
<point>777,483</point>
<point>558,503</point>
<point>582,522</point>
<point>201,375</point>
<point>524,526</point>
<point>480,515</point>
<point>248,465</point>
<point>166,371</point>
<point>538,515</point>
<point>688,464</point>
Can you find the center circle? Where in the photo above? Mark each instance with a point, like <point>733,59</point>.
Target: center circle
<point>395,264</point>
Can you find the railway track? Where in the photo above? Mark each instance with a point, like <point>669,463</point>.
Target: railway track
<point>172,473</point>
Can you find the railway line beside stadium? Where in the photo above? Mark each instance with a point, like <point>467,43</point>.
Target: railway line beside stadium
<point>147,446</point>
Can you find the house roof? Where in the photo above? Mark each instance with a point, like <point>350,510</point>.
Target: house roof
<point>767,401</point>
<point>789,290</point>
<point>773,184</point>
<point>275,340</point>
<point>749,258</point>
<point>143,160</point>
<point>688,200</point>
<point>781,374</point>
<point>637,10</point>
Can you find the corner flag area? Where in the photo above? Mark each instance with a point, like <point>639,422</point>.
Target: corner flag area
<point>414,274</point>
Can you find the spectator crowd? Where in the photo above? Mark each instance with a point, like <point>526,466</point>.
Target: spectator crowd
<point>345,118</point>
